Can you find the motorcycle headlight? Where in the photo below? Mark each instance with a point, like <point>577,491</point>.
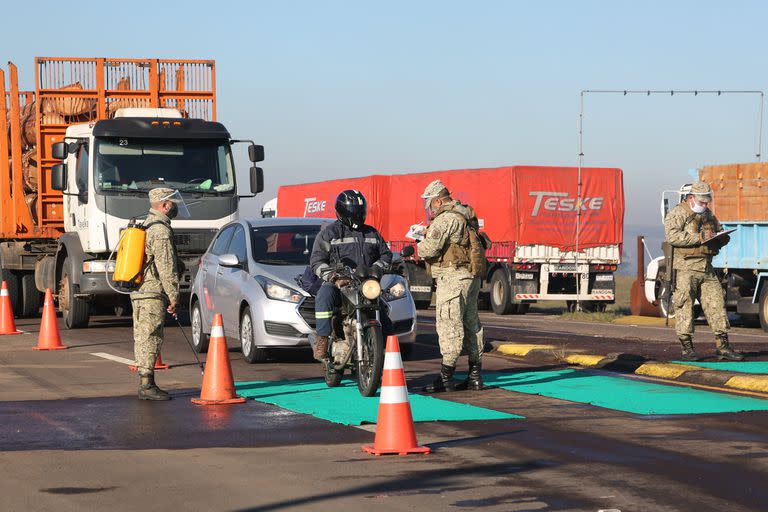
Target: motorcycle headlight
<point>371,289</point>
<point>277,291</point>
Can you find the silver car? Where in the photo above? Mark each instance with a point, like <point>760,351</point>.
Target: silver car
<point>249,275</point>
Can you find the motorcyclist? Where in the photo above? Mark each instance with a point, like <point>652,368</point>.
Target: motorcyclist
<point>348,241</point>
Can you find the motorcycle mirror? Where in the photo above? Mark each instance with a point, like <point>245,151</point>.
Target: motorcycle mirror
<point>407,251</point>
<point>361,272</point>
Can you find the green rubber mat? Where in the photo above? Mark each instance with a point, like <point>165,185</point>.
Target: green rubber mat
<point>345,405</point>
<point>759,367</point>
<point>622,394</point>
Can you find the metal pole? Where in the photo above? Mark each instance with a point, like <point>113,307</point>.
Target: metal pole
<point>646,92</point>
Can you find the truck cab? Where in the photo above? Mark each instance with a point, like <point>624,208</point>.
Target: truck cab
<point>108,168</point>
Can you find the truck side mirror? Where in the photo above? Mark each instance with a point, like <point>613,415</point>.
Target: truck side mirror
<point>59,177</point>
<point>257,180</point>
<point>255,153</point>
<point>59,150</point>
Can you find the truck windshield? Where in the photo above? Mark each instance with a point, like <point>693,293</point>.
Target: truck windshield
<point>283,245</point>
<point>141,165</point>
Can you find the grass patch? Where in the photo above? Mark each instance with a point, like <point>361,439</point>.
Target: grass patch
<point>605,316</point>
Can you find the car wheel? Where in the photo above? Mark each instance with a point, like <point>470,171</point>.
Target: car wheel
<point>199,338</point>
<point>251,352</point>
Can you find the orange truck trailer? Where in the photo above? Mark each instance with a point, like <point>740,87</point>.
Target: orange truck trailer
<point>78,155</point>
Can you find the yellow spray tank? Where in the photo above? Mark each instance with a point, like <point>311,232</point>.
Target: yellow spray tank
<point>130,256</point>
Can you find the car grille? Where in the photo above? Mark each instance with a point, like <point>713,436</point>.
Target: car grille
<point>307,311</point>
<point>278,329</point>
<point>402,326</point>
<point>193,241</point>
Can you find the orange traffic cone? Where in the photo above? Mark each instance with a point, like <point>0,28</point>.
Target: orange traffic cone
<point>159,364</point>
<point>7,323</point>
<point>218,385</point>
<point>394,428</point>
<point>49,338</point>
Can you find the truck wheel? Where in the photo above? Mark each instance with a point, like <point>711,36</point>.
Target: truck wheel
<point>763,312</point>
<point>31,297</point>
<point>11,279</point>
<point>76,311</point>
<point>501,294</point>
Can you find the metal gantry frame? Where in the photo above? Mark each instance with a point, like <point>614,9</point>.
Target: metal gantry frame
<point>648,92</point>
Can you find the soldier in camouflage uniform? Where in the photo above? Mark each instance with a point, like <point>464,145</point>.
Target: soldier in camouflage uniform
<point>159,290</point>
<point>687,227</point>
<point>446,250</point>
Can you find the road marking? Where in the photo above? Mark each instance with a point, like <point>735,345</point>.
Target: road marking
<point>116,359</point>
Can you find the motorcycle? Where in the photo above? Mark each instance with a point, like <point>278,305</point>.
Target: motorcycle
<point>357,339</point>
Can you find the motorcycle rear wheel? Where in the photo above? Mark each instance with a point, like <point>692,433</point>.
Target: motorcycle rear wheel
<point>371,361</point>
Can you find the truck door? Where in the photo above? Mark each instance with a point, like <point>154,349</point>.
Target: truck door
<point>78,202</point>
<point>230,280</point>
<point>209,265</point>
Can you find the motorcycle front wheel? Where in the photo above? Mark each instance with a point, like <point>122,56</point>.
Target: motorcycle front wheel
<point>371,361</point>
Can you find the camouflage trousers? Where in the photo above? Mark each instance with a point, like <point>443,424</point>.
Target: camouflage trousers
<point>692,285</point>
<point>148,324</point>
<point>458,324</point>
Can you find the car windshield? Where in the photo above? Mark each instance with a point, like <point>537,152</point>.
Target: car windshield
<point>125,165</point>
<point>283,245</point>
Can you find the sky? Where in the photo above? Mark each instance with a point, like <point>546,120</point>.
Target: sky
<point>339,89</point>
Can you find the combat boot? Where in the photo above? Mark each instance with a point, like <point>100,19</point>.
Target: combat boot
<point>444,382</point>
<point>689,354</point>
<point>148,390</point>
<point>474,380</point>
<point>321,348</point>
<point>725,351</point>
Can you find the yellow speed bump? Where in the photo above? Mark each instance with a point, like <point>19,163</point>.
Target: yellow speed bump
<point>665,370</point>
<point>521,349</point>
<point>749,382</point>
<point>643,320</point>
<point>588,360</point>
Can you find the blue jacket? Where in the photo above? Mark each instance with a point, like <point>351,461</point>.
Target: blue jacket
<point>338,243</point>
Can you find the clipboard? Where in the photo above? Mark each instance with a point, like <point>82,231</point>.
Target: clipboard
<point>719,235</point>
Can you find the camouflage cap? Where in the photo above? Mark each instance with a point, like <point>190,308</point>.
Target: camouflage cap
<point>701,190</point>
<point>162,194</point>
<point>434,189</point>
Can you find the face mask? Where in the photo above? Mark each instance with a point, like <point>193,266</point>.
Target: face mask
<point>698,208</point>
<point>173,212</point>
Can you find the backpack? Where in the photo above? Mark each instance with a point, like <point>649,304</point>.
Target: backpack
<point>475,243</point>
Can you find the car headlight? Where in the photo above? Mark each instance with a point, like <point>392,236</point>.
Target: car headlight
<point>276,291</point>
<point>99,266</point>
<point>371,289</point>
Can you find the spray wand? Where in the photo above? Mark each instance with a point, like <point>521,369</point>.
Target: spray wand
<point>202,368</point>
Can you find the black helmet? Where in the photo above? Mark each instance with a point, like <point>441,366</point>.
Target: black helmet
<point>351,208</point>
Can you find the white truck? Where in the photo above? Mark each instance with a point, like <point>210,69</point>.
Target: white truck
<point>96,176</point>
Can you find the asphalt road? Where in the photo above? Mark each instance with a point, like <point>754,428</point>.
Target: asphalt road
<point>74,437</point>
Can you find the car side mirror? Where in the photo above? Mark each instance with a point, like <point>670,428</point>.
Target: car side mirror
<point>256,153</point>
<point>257,180</point>
<point>59,150</point>
<point>229,260</point>
<point>407,251</point>
<point>59,177</point>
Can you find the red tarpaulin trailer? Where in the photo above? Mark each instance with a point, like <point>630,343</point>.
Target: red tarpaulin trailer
<point>530,213</point>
